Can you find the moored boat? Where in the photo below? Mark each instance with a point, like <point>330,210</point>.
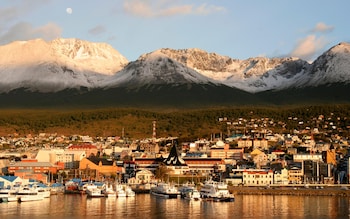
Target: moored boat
<point>92,191</point>
<point>165,190</point>
<point>110,193</point>
<point>72,187</point>
<point>216,191</point>
<point>42,189</point>
<point>8,194</point>
<point>56,188</point>
<point>27,193</point>
<point>129,192</point>
<point>120,190</point>
<point>190,193</point>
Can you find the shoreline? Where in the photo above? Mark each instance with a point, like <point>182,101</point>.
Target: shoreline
<point>327,191</point>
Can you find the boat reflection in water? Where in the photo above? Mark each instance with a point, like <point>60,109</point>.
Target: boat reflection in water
<point>147,206</point>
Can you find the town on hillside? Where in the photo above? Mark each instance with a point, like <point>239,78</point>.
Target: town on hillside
<point>249,152</point>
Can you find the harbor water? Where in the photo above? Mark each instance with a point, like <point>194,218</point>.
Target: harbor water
<point>148,206</point>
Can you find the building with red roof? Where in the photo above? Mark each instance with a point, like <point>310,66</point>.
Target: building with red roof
<point>90,150</point>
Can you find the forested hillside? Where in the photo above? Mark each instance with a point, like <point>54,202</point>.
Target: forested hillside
<point>136,123</point>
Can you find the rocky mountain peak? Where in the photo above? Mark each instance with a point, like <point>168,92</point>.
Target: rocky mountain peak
<point>333,66</point>
<point>156,67</point>
<point>199,59</point>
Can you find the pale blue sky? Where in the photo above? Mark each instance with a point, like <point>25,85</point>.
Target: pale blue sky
<point>237,28</point>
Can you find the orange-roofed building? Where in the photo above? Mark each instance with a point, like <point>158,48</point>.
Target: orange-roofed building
<point>32,169</point>
<point>90,150</point>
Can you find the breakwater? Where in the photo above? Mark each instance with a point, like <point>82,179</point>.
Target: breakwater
<point>296,191</point>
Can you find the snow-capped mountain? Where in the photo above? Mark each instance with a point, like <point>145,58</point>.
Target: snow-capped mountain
<point>333,66</point>
<point>62,67</point>
<point>251,75</point>
<point>155,68</point>
<point>43,66</point>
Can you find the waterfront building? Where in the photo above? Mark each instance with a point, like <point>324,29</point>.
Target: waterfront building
<point>96,168</point>
<point>142,177</point>
<point>257,177</point>
<point>34,166</point>
<point>280,177</point>
<point>295,175</point>
<point>32,169</point>
<point>9,181</point>
<point>194,165</point>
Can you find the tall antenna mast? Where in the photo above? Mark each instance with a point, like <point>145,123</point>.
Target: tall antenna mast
<point>154,135</point>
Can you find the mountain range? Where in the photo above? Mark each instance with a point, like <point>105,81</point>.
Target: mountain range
<point>74,72</point>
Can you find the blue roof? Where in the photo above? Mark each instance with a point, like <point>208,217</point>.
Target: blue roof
<point>76,180</point>
<point>42,185</point>
<point>57,185</point>
<point>9,178</point>
<point>99,183</point>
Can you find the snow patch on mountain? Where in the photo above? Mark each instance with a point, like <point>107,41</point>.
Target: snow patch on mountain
<point>155,68</point>
<point>252,75</point>
<point>333,66</point>
<point>95,57</point>
<point>43,66</point>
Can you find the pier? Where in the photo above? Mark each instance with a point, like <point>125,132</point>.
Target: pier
<point>298,190</point>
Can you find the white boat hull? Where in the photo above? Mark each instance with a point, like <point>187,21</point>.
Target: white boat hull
<point>165,195</point>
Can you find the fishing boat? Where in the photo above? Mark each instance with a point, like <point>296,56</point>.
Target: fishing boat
<point>72,187</point>
<point>216,191</point>
<point>165,190</point>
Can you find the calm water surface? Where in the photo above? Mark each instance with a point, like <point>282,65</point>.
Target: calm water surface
<point>147,206</point>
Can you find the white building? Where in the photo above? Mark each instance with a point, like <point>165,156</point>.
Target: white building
<point>45,155</point>
<point>254,177</point>
<point>142,177</point>
<point>70,158</point>
<point>281,178</point>
<point>9,181</point>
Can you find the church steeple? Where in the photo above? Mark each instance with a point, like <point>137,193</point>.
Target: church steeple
<point>173,159</point>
